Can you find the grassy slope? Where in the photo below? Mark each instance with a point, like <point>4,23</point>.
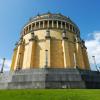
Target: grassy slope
<point>52,94</point>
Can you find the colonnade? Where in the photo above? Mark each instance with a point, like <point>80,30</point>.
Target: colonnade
<point>49,24</point>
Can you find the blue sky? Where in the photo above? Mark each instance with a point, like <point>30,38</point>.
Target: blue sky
<point>15,13</point>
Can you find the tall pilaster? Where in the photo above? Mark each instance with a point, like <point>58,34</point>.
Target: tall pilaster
<point>47,49</point>
<point>14,58</point>
<point>85,56</point>
<point>31,54</point>
<point>80,61</point>
<point>19,55</point>
<point>65,46</point>
<point>48,24</point>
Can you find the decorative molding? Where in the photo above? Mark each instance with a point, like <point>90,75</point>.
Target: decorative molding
<point>47,34</point>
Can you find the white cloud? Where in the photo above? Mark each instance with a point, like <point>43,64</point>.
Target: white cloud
<point>93,47</point>
<point>6,65</point>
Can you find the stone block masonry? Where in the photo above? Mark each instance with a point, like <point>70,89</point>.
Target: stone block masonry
<point>50,78</point>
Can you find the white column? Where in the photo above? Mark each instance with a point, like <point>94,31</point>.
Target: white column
<point>48,24</point>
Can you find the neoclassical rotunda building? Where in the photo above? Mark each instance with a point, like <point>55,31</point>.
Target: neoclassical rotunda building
<point>50,54</point>
<point>50,41</point>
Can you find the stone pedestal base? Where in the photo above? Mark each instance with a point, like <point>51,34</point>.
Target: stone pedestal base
<point>49,78</point>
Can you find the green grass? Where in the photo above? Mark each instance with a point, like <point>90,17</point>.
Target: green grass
<point>50,94</point>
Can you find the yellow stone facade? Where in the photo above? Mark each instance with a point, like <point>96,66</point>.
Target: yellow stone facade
<point>50,41</point>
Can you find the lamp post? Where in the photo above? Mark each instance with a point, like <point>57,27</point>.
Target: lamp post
<point>3,65</point>
<point>95,63</point>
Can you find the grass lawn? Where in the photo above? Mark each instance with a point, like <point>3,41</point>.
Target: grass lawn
<point>50,94</point>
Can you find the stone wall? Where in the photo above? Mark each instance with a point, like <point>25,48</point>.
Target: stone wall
<point>50,78</point>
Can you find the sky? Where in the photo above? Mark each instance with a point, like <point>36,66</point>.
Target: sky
<point>14,14</point>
